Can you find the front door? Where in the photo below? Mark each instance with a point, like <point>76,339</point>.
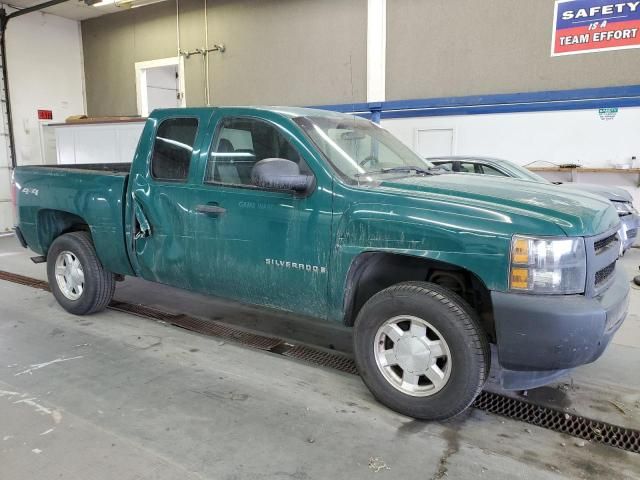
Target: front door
<point>254,244</point>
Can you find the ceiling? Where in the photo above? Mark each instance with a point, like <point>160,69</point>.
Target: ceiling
<point>73,9</point>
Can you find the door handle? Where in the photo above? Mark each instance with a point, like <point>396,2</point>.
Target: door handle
<point>211,209</point>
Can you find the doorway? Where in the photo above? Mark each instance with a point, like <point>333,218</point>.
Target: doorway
<point>160,84</point>
<point>434,142</point>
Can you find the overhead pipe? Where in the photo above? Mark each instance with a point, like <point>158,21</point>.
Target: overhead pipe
<point>4,20</point>
<point>207,92</point>
<point>178,25</point>
<point>5,85</point>
<point>34,8</point>
<point>204,51</point>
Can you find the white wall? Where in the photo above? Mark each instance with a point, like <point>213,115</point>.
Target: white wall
<point>96,143</point>
<point>573,136</point>
<point>45,72</point>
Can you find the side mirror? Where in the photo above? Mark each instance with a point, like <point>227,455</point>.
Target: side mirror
<point>280,174</point>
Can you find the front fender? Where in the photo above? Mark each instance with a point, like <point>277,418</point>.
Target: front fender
<point>477,240</point>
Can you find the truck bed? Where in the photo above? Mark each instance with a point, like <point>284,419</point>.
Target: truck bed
<point>54,198</point>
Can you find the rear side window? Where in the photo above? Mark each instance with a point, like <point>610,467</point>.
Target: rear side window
<point>172,149</point>
<point>487,170</point>
<point>467,167</point>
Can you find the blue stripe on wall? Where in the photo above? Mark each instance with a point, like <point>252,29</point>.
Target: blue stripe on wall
<point>587,98</point>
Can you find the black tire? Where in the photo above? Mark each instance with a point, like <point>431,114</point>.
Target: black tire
<point>99,284</point>
<point>454,319</point>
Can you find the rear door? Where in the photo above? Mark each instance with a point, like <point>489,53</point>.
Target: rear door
<point>254,244</point>
<point>162,194</point>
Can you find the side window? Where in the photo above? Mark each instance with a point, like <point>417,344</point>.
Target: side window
<point>172,149</point>
<point>487,170</point>
<point>242,142</point>
<point>467,167</point>
<point>448,166</point>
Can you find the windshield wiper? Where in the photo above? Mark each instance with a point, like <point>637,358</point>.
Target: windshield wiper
<point>402,169</point>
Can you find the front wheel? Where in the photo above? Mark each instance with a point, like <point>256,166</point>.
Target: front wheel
<point>421,351</point>
<point>77,279</point>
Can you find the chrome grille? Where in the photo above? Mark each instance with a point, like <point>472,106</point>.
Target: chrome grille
<point>604,273</point>
<point>604,243</point>
<point>602,254</point>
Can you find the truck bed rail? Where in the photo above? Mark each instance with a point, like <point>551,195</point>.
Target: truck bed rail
<point>100,167</point>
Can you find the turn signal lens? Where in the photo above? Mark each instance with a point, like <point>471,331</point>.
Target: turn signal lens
<point>520,278</point>
<point>520,254</point>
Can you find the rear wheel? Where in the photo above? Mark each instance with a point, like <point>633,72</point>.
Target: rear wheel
<point>77,279</point>
<point>421,351</point>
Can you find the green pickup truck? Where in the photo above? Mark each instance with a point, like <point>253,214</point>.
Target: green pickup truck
<point>441,276</point>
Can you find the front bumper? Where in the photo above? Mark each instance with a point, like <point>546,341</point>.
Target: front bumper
<point>541,334</point>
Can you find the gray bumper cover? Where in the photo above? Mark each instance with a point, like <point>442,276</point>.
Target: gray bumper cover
<point>539,333</point>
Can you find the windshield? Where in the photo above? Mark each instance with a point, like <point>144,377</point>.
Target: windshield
<point>358,148</point>
<point>526,174</point>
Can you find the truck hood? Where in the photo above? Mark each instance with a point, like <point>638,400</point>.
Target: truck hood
<point>575,212</point>
<point>615,194</point>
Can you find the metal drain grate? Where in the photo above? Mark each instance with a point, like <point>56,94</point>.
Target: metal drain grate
<point>545,417</point>
<point>205,327</point>
<point>143,311</point>
<point>22,280</point>
<point>559,421</point>
<point>42,285</point>
<point>318,357</point>
<point>223,331</point>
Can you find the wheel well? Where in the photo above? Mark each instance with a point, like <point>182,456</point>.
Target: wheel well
<point>53,223</point>
<point>372,272</point>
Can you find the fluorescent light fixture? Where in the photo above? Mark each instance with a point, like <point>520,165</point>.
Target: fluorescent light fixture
<point>135,3</point>
<point>122,3</point>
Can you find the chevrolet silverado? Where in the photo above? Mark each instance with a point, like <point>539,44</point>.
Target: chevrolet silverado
<point>328,215</point>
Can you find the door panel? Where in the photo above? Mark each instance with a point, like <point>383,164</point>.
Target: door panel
<point>164,255</point>
<point>162,197</point>
<point>261,246</point>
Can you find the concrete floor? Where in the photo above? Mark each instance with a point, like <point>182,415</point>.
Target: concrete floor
<point>117,396</point>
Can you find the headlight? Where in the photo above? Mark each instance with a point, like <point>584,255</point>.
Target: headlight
<point>623,208</point>
<point>548,265</point>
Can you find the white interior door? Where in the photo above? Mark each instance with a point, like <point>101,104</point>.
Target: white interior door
<point>160,84</point>
<point>163,90</point>
<point>434,142</point>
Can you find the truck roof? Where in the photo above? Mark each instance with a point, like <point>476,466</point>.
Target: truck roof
<point>290,112</point>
